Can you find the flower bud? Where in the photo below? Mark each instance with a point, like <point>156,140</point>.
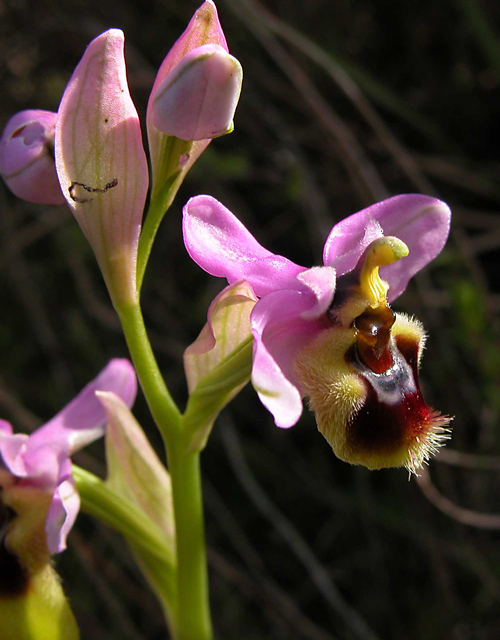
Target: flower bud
<point>197,100</point>
<point>27,158</point>
<point>169,155</point>
<point>101,161</point>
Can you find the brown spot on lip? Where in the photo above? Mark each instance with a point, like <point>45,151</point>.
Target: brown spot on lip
<point>373,336</point>
<point>18,131</point>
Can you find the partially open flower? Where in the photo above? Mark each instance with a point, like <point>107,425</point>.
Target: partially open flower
<point>329,334</point>
<point>39,504</point>
<point>35,470</point>
<point>27,157</point>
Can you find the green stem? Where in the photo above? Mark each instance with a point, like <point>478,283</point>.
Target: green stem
<point>169,179</point>
<point>160,402</point>
<point>192,617</point>
<point>193,612</point>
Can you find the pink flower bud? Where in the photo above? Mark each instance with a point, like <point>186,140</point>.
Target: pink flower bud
<point>26,157</point>
<point>203,29</point>
<point>101,162</point>
<point>197,100</point>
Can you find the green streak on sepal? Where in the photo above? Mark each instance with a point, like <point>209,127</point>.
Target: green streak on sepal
<point>213,392</point>
<point>99,501</point>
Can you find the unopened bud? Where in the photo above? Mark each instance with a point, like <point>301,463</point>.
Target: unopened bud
<point>198,98</point>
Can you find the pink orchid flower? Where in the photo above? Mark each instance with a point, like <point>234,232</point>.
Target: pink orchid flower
<point>27,157</point>
<point>327,333</point>
<point>35,470</point>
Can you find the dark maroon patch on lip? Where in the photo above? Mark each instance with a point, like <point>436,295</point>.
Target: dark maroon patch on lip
<point>408,348</point>
<point>14,579</point>
<point>386,428</point>
<point>394,413</point>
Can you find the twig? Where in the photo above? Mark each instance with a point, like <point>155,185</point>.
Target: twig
<point>464,516</point>
<point>292,537</point>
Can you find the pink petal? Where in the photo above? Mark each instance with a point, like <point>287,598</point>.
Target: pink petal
<point>320,282</point>
<point>12,448</point>
<point>421,222</point>
<point>279,331</point>
<point>43,464</point>
<point>5,427</point>
<point>83,420</point>
<point>101,162</point>
<point>62,513</point>
<point>220,244</point>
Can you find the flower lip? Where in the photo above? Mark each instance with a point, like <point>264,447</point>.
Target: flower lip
<point>395,426</point>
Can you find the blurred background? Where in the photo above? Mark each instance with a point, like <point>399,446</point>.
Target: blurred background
<point>344,103</point>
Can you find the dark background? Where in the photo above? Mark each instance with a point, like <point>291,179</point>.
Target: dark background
<point>344,103</point>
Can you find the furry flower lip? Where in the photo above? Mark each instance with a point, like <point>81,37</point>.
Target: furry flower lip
<point>328,333</point>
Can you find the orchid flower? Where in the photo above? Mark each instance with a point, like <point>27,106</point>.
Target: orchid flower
<point>35,470</point>
<point>328,333</point>
<point>27,157</point>
<point>39,504</point>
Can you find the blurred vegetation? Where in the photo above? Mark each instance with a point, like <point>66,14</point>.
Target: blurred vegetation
<point>344,103</point>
